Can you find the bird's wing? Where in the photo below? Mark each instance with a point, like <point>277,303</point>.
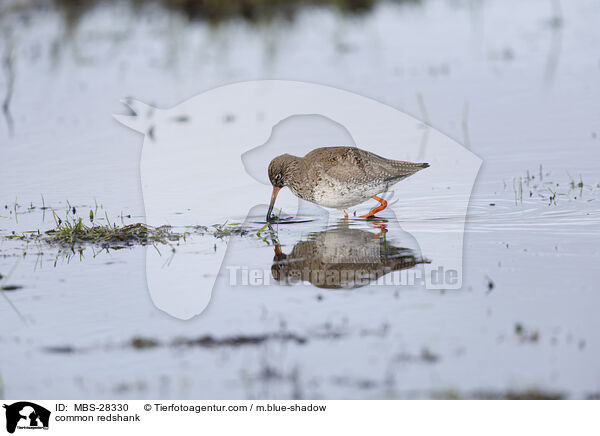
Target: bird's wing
<point>389,169</point>
<point>365,167</point>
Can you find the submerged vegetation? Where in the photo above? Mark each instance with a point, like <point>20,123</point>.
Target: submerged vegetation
<point>72,230</point>
<point>540,186</point>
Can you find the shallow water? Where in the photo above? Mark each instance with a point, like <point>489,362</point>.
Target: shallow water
<point>516,82</point>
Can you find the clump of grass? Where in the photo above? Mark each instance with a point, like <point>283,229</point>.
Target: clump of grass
<point>72,230</point>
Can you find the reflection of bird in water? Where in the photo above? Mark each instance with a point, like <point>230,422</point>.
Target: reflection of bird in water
<point>341,257</point>
<point>338,177</point>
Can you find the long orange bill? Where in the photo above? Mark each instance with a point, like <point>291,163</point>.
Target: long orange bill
<point>273,197</point>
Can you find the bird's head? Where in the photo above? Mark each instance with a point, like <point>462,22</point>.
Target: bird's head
<point>280,170</point>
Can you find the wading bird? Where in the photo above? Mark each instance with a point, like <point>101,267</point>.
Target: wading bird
<point>338,177</point>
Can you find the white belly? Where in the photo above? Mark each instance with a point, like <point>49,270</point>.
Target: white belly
<point>341,196</point>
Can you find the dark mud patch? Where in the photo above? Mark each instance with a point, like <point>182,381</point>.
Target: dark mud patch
<point>527,394</point>
<point>67,349</point>
<point>326,332</point>
<point>144,343</point>
<point>425,356</point>
<point>238,341</point>
<point>251,11</point>
<point>10,288</point>
<point>525,334</point>
<point>207,341</point>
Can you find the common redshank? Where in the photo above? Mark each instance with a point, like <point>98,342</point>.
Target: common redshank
<point>338,177</point>
<point>341,257</point>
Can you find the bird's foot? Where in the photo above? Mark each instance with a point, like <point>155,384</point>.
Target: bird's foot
<point>383,204</point>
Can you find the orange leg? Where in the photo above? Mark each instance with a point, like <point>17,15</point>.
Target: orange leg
<point>278,251</point>
<point>381,225</point>
<point>379,208</point>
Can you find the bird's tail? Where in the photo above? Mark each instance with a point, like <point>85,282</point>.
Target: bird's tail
<point>409,167</point>
<point>402,169</point>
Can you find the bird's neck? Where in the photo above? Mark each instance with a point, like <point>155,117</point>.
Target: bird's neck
<point>296,173</point>
<point>296,168</point>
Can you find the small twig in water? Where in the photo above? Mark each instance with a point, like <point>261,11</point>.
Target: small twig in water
<point>465,125</point>
<point>8,64</point>
<point>426,123</point>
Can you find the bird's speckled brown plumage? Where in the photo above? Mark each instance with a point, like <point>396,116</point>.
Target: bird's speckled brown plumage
<point>338,177</point>
<point>341,257</point>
